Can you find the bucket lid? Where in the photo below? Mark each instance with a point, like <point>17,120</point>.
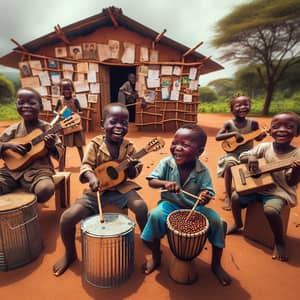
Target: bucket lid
<point>114,224</point>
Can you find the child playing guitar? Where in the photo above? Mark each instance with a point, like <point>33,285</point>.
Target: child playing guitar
<point>100,150</point>
<point>240,106</point>
<point>284,127</point>
<point>37,176</point>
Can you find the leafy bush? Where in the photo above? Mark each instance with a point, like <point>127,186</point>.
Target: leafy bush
<point>207,95</point>
<point>9,112</point>
<point>7,90</point>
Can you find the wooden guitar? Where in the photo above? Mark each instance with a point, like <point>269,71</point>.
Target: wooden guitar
<point>232,143</point>
<point>247,182</point>
<point>112,173</point>
<point>34,144</point>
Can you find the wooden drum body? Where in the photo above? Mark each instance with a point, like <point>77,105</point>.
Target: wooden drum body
<point>186,239</point>
<point>107,249</point>
<point>20,235</point>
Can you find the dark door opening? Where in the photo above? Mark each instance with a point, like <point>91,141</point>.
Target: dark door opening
<point>118,75</point>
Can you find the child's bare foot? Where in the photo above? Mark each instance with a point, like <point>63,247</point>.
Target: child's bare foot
<point>221,274</point>
<point>63,263</point>
<point>234,228</point>
<point>151,264</point>
<point>227,203</point>
<point>279,252</point>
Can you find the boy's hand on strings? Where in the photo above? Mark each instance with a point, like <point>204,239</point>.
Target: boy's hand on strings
<point>205,197</point>
<point>50,141</point>
<point>172,186</point>
<point>94,182</point>
<point>16,147</point>
<point>253,164</point>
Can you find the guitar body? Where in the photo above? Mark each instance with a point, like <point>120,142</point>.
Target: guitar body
<point>15,161</point>
<point>231,144</point>
<point>246,184</point>
<point>109,175</point>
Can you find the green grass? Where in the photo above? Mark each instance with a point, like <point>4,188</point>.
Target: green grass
<point>8,112</point>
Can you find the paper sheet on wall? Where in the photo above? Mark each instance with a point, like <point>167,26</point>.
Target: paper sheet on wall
<point>103,52</point>
<point>153,73</point>
<point>46,105</point>
<point>153,55</point>
<point>193,73</point>
<point>81,86</point>
<point>42,90</point>
<point>177,85</point>
<point>144,54</point>
<point>174,95</point>
<point>165,93</point>
<point>114,48</point>
<point>95,88</point>
<point>55,90</point>
<point>149,96</point>
<point>187,98</point>
<point>80,76</point>
<point>92,98</point>
<point>36,67</point>
<point>177,70</point>
<point>193,85</point>
<point>91,76</point>
<point>143,70</point>
<point>129,53</point>
<point>68,75</point>
<point>55,77</point>
<point>166,70</point>
<point>32,82</point>
<point>44,78</point>
<point>55,99</point>
<point>67,67</point>
<point>93,67</point>
<point>153,82</point>
<point>83,67</point>
<point>82,100</point>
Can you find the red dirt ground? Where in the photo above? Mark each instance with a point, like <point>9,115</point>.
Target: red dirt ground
<point>255,275</point>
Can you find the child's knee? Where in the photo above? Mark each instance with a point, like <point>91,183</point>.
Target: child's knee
<point>155,215</point>
<point>44,189</point>
<point>271,211</point>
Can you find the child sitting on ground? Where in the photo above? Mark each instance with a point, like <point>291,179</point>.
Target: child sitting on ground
<point>284,127</point>
<point>183,170</point>
<point>101,149</point>
<point>35,177</point>
<point>240,107</point>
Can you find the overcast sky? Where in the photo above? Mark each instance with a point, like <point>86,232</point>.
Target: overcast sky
<point>187,22</point>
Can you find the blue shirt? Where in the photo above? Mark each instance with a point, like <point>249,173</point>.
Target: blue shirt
<point>198,180</point>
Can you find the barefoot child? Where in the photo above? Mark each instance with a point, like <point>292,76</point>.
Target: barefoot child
<point>284,127</point>
<point>183,170</point>
<point>240,106</point>
<point>76,139</point>
<point>37,176</point>
<point>111,146</point>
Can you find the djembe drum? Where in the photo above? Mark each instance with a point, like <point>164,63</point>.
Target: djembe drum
<point>186,239</point>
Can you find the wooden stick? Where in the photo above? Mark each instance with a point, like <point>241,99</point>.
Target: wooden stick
<point>100,208</point>
<point>193,209</point>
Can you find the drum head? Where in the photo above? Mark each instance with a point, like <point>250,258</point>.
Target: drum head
<point>15,200</point>
<point>114,225</point>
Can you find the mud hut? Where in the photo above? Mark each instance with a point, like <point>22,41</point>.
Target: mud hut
<point>97,53</point>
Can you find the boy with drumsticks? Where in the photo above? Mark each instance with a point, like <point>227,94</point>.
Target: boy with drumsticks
<point>101,149</point>
<point>184,171</point>
<point>36,176</point>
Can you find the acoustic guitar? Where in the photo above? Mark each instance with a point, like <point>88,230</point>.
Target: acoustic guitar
<point>247,182</point>
<point>34,144</point>
<point>232,143</point>
<point>112,173</point>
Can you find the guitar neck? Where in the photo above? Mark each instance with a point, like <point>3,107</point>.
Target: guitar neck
<point>40,137</point>
<point>252,135</point>
<point>124,164</point>
<point>276,166</point>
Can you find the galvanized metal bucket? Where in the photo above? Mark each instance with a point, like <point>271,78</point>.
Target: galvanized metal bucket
<point>20,235</point>
<point>107,249</point>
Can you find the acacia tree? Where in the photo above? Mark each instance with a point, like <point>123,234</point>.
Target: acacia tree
<point>262,32</point>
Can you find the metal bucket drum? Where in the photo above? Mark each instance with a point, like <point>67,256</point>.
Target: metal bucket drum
<point>20,235</point>
<point>186,239</point>
<point>107,249</point>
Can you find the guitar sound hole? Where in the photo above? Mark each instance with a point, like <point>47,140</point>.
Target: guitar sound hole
<point>255,175</point>
<point>27,146</point>
<point>112,173</point>
<point>240,139</point>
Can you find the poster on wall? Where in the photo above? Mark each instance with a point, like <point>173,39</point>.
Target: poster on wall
<point>25,70</point>
<point>90,51</point>
<point>129,53</point>
<point>60,52</point>
<point>75,52</point>
<point>114,47</point>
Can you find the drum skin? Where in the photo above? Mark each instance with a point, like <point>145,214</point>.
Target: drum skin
<point>20,234</point>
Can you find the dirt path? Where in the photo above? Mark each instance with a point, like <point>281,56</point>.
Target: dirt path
<point>255,275</point>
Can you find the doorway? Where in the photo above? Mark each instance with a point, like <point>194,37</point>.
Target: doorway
<point>118,75</point>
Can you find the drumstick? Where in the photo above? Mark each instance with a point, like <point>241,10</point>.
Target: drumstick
<point>100,208</point>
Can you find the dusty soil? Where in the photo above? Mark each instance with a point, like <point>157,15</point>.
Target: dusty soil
<point>255,275</point>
